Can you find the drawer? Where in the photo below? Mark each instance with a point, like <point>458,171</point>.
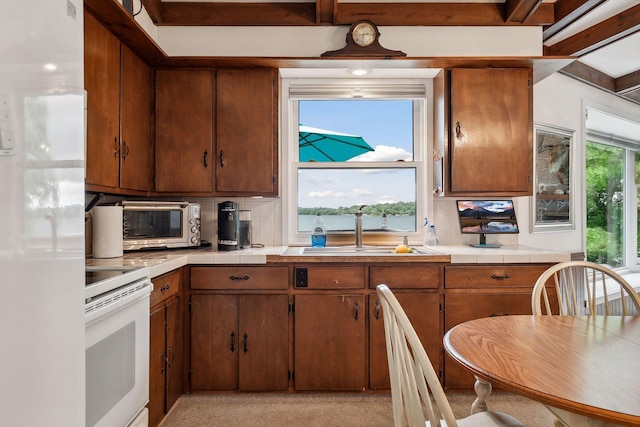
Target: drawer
<point>240,277</point>
<point>329,277</point>
<point>165,286</point>
<point>394,277</point>
<point>506,275</point>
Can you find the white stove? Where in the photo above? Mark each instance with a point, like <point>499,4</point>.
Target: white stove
<point>117,345</point>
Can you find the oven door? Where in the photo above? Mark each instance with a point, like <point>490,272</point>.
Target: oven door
<point>117,355</point>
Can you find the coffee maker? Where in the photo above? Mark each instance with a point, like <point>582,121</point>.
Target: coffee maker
<point>234,227</point>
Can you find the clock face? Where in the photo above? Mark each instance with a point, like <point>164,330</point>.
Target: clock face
<point>364,34</point>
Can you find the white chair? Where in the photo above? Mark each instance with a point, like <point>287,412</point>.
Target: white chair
<point>412,377</point>
<point>579,285</point>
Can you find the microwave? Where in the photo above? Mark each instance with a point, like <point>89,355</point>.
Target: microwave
<point>160,225</point>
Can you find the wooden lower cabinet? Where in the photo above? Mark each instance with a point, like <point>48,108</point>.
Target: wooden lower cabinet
<point>165,351</point>
<point>423,312</point>
<point>477,291</point>
<point>330,342</point>
<point>239,342</point>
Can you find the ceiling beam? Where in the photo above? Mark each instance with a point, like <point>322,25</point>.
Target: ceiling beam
<point>589,75</point>
<point>220,13</point>
<point>520,10</point>
<point>628,83</point>
<point>154,9</point>
<point>567,12</point>
<point>599,35</point>
<point>324,12</point>
<point>436,14</point>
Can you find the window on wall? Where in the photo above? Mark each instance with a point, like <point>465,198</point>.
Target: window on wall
<point>352,146</point>
<point>612,176</point>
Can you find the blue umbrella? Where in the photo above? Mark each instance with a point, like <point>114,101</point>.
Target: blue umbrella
<point>328,146</point>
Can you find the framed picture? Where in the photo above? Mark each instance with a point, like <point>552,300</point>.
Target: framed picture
<point>552,205</point>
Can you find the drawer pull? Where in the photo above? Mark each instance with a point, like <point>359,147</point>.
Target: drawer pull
<point>166,287</point>
<point>498,314</point>
<point>239,277</point>
<point>505,277</point>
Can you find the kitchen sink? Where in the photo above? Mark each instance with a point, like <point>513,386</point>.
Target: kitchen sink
<point>352,250</point>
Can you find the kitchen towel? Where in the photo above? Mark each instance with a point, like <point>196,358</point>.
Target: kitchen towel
<point>107,231</point>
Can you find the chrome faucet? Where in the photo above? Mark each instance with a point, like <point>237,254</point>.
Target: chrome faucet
<point>359,227</point>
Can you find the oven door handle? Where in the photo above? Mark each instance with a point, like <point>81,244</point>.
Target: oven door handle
<point>103,306</point>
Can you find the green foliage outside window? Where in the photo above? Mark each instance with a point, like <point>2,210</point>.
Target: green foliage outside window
<point>605,202</point>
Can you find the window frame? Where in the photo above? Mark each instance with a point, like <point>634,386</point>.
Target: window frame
<point>630,200</point>
<point>335,89</point>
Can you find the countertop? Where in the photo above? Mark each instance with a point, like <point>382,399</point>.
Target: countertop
<point>163,261</point>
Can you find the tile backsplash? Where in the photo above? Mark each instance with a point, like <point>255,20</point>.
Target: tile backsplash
<point>266,221</point>
<point>266,214</point>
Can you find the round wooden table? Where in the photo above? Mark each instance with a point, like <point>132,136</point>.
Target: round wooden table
<point>585,369</point>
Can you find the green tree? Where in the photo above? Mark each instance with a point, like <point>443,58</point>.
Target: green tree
<point>604,190</point>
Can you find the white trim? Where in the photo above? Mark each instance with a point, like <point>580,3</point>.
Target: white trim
<point>419,90</point>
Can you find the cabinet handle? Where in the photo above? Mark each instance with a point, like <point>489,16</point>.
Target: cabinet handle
<point>116,152</point>
<point>233,342</point>
<point>166,287</point>
<point>357,306</point>
<point>458,130</point>
<point>498,314</point>
<point>163,361</point>
<point>244,345</point>
<point>126,150</point>
<point>378,309</point>
<point>171,357</point>
<point>505,277</point>
<point>239,277</point>
<point>221,159</point>
<point>204,159</point>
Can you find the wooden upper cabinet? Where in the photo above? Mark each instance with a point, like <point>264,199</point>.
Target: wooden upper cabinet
<point>246,132</point>
<point>184,131</point>
<point>102,83</point>
<point>136,157</point>
<point>119,100</point>
<point>490,132</point>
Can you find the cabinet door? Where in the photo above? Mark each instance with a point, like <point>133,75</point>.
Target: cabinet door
<point>424,314</point>
<point>174,352</point>
<point>491,132</point>
<point>214,342</point>
<point>102,83</point>
<point>329,342</point>
<point>246,142</point>
<point>184,131</point>
<point>136,161</point>
<point>264,342</point>
<point>462,307</point>
<point>157,367</point>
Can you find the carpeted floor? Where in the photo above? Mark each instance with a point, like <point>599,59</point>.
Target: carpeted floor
<point>326,410</point>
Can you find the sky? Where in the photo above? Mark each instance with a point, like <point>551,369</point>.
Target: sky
<point>387,126</point>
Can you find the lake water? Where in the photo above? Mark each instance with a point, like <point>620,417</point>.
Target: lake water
<point>348,223</point>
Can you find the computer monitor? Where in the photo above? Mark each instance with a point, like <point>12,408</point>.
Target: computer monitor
<point>487,217</point>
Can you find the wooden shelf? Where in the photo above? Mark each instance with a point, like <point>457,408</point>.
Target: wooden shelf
<point>552,196</point>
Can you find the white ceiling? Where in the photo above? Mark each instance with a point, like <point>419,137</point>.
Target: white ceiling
<point>617,59</point>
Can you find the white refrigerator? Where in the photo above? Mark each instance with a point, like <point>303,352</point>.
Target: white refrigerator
<point>42,329</point>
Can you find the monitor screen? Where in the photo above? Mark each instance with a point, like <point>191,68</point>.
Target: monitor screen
<point>487,217</point>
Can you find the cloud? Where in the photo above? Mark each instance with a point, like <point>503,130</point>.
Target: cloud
<point>384,153</point>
